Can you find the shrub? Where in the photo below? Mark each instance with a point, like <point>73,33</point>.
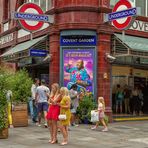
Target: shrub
<point>3,102</point>
<point>85,106</point>
<point>20,84</point>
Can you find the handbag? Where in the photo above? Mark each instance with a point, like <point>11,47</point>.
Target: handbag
<point>94,116</point>
<point>62,117</point>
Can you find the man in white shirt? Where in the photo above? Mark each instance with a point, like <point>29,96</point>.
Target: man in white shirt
<point>41,97</point>
<point>32,105</point>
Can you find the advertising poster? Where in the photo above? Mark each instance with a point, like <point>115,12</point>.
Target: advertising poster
<point>78,68</point>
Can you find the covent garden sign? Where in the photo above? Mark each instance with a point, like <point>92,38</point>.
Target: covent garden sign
<point>140,26</point>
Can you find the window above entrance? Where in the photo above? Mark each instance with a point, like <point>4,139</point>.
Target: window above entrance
<point>44,4</point>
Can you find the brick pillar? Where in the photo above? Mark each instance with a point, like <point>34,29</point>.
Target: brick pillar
<point>54,64</point>
<point>104,71</point>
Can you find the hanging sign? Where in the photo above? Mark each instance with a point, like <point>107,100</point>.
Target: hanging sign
<point>31,17</point>
<point>123,15</point>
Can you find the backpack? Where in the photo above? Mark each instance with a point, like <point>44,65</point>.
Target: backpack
<point>120,95</point>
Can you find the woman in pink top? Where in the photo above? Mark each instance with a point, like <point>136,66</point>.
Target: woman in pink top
<point>101,112</point>
<point>53,111</point>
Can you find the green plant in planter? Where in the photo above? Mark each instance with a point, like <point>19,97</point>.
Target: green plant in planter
<point>20,84</point>
<point>3,102</point>
<point>5,73</point>
<point>85,106</point>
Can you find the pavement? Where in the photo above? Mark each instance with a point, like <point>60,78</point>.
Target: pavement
<point>129,134</point>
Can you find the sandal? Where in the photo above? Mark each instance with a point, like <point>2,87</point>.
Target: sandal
<point>64,143</point>
<point>50,141</point>
<point>54,141</point>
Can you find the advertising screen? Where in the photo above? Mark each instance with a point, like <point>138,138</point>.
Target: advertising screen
<point>78,68</point>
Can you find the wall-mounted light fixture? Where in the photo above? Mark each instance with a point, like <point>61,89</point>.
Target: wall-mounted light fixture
<point>48,58</point>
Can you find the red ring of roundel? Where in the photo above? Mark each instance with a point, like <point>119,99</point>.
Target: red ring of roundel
<point>23,22</point>
<point>129,19</point>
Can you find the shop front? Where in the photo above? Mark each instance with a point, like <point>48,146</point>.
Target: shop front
<point>130,68</point>
<point>33,55</point>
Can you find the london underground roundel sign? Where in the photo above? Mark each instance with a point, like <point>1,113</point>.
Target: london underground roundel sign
<point>122,15</point>
<point>31,17</point>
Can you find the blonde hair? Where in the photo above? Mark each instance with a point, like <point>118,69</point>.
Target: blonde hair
<point>57,91</point>
<point>65,91</point>
<point>101,100</point>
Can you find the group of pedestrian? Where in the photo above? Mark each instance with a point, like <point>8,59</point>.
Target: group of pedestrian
<point>52,104</point>
<point>132,99</point>
<point>59,107</point>
<point>38,102</point>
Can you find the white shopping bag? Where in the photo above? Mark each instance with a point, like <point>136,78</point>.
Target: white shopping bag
<point>94,116</point>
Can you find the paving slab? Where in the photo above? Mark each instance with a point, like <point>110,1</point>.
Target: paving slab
<point>131,134</point>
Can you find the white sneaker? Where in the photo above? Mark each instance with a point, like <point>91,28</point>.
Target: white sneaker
<point>93,128</point>
<point>76,125</point>
<point>45,125</point>
<point>39,125</point>
<point>105,130</point>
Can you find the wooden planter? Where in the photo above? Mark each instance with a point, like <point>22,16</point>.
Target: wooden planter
<point>20,115</point>
<point>4,133</point>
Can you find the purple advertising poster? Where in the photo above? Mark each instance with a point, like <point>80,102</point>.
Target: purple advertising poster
<point>78,68</point>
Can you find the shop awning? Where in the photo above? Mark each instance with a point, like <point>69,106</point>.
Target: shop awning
<point>129,46</point>
<point>22,50</point>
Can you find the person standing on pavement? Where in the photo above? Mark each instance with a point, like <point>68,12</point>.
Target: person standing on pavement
<point>74,103</point>
<point>41,98</point>
<point>53,111</point>
<point>9,107</point>
<point>65,109</point>
<point>119,96</point>
<point>32,104</point>
<point>135,100</point>
<point>127,95</point>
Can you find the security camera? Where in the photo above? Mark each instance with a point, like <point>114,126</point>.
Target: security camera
<point>110,58</point>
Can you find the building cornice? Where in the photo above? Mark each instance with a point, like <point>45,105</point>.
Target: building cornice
<point>78,8</point>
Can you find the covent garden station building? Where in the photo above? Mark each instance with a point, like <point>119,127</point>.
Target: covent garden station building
<point>77,31</point>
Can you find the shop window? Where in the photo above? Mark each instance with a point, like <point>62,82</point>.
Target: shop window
<point>44,4</point>
<point>113,2</point>
<point>6,26</point>
<point>142,5</point>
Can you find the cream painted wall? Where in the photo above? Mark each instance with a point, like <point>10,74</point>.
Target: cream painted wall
<point>120,76</point>
<point>140,73</point>
<point>125,71</point>
<point>118,70</point>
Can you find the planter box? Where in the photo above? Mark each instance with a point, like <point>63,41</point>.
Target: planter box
<point>4,133</point>
<point>20,115</point>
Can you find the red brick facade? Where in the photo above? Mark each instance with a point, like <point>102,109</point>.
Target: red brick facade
<point>74,15</point>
